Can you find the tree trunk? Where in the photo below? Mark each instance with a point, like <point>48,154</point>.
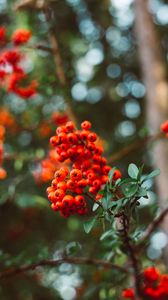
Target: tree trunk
<point>154,77</point>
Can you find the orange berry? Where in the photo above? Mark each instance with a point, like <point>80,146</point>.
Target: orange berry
<point>86,125</point>
<point>3,174</point>
<point>80,200</point>
<point>75,174</point>
<point>59,194</point>
<point>62,185</point>
<point>116,175</point>
<point>164,127</point>
<point>70,126</point>
<point>60,175</point>
<point>71,184</point>
<point>92,137</point>
<point>67,200</point>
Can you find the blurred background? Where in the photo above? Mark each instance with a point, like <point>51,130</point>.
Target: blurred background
<point>99,49</point>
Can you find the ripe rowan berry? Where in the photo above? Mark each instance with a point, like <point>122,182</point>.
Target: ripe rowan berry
<point>96,183</point>
<point>60,175</point>
<point>68,200</point>
<point>164,127</point>
<point>80,200</point>
<point>86,125</point>
<point>59,194</point>
<point>92,137</point>
<point>21,36</point>
<point>72,138</point>
<point>70,126</point>
<point>54,141</point>
<point>116,175</point>
<point>62,185</point>
<point>82,183</point>
<point>52,197</point>
<point>75,174</point>
<point>71,184</point>
<point>62,137</point>
<point>3,174</point>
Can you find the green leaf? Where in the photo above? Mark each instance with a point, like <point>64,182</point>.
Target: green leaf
<point>111,173</point>
<point>133,171</point>
<point>142,192</point>
<point>152,174</point>
<point>127,180</point>
<point>106,234</point>
<point>95,206</point>
<point>140,172</point>
<point>129,189</point>
<point>88,225</point>
<point>106,200</point>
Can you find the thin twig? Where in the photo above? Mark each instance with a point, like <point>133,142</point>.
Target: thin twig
<point>53,263</point>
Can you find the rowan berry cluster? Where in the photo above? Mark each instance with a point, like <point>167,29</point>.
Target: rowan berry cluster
<point>155,286</point>
<point>11,72</point>
<point>164,128</point>
<point>89,169</point>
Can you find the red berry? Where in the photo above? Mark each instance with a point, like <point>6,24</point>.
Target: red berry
<point>72,138</point>
<point>92,137</point>
<point>86,125</point>
<point>62,137</point>
<point>116,175</point>
<point>60,175</point>
<point>164,127</point>
<point>70,126</point>
<point>62,185</point>
<point>68,200</point>
<point>71,184</point>
<point>80,200</point>
<point>75,174</point>
<point>59,194</point>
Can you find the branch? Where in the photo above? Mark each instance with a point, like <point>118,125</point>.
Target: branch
<point>151,228</point>
<point>134,146</point>
<point>54,263</point>
<point>132,256</point>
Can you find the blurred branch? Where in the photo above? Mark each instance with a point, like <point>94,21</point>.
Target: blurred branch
<point>53,263</point>
<point>134,146</point>
<point>40,47</point>
<point>151,228</point>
